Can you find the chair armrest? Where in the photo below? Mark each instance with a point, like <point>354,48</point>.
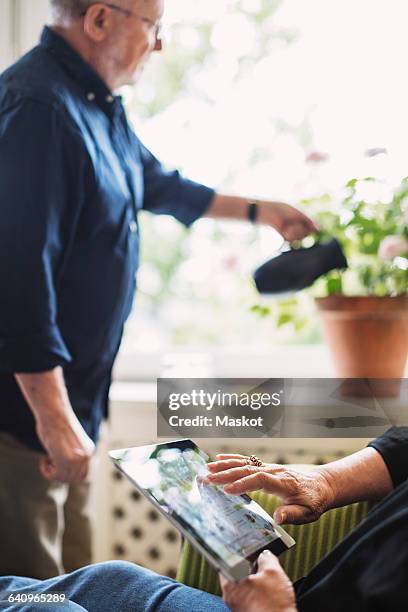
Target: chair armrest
<point>313,542</point>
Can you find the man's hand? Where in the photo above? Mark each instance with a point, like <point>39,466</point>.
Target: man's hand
<point>269,590</point>
<point>69,449</point>
<point>290,222</point>
<point>305,496</point>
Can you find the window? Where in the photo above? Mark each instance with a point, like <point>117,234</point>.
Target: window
<point>250,96</point>
<point>21,22</point>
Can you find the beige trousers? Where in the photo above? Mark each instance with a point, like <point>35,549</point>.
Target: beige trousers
<point>44,526</point>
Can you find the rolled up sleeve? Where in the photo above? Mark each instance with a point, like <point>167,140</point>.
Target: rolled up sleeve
<point>40,200</point>
<point>169,193</point>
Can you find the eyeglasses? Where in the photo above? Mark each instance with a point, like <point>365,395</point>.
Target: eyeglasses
<point>120,9</point>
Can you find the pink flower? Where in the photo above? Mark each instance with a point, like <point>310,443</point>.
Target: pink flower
<point>230,262</point>
<point>317,157</point>
<point>392,246</point>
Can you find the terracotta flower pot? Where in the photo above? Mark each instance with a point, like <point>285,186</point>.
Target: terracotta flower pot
<point>368,337</point>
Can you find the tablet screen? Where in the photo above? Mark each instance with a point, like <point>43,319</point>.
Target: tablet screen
<point>228,526</point>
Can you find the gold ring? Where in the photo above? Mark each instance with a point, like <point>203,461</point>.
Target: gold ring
<point>253,460</point>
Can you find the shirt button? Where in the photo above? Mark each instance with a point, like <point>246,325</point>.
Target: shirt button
<point>133,227</point>
<point>91,96</point>
<point>109,99</point>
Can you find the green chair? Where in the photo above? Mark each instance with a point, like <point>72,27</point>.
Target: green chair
<point>313,541</point>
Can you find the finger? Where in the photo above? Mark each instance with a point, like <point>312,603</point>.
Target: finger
<point>303,233</point>
<point>69,472</point>
<point>305,229</point>
<point>267,562</point>
<point>261,480</point>
<point>294,231</point>
<point>77,473</point>
<point>52,472</point>
<point>47,468</point>
<point>301,229</point>
<point>84,471</point>
<point>220,466</point>
<point>234,593</point>
<point>305,219</point>
<point>254,482</point>
<point>294,514</point>
<point>223,465</point>
<point>274,471</point>
<point>231,475</point>
<point>313,226</point>
<point>231,456</point>
<point>223,581</point>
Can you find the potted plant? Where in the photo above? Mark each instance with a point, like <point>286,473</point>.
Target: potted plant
<point>364,308</point>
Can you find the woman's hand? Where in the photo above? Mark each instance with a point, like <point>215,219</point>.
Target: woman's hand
<point>305,496</point>
<point>269,590</point>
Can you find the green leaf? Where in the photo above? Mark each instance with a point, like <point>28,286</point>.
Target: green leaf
<point>334,285</point>
<point>284,318</point>
<point>300,324</point>
<point>261,311</point>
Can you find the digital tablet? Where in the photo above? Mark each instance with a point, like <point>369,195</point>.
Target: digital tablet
<point>230,531</point>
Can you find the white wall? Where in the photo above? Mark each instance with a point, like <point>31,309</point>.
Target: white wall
<point>21,22</point>
<point>6,34</point>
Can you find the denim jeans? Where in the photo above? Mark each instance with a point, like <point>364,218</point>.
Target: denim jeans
<point>115,585</point>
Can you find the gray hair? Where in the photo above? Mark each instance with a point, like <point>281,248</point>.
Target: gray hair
<point>71,9</point>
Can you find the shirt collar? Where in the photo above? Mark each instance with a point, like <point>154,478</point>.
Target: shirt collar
<point>95,89</point>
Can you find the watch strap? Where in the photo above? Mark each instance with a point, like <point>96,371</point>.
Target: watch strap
<point>253,209</point>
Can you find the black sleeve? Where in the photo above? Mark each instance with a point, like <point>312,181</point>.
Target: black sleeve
<point>371,577</point>
<point>393,447</point>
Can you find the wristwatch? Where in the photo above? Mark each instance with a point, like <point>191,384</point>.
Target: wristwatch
<point>253,210</point>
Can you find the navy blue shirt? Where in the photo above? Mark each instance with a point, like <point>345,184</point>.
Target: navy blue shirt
<point>73,177</point>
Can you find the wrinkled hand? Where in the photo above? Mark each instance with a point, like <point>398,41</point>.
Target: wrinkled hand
<point>290,222</point>
<point>69,448</point>
<point>305,496</point>
<point>269,590</point>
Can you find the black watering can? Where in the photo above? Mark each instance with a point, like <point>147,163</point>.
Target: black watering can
<point>297,269</point>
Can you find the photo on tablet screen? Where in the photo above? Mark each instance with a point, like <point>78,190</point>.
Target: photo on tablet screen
<point>229,530</point>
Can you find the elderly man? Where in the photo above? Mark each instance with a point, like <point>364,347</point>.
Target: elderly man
<point>73,177</point>
<point>367,571</point>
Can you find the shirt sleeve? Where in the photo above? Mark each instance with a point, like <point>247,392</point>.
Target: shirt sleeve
<point>40,200</point>
<point>169,193</point>
<point>393,447</point>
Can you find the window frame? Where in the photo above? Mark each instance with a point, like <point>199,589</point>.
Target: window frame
<point>20,27</point>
